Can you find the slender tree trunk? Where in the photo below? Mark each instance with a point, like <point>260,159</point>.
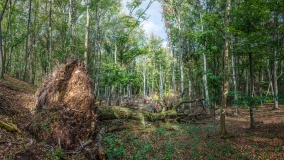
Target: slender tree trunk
<point>153,94</point>
<point>269,78</point>
<point>27,41</point>
<point>144,81</point>
<point>96,52</point>
<point>87,35</point>
<point>1,49</point>
<point>180,53</point>
<point>70,10</point>
<point>161,83</point>
<point>1,54</point>
<point>226,72</point>
<point>189,84</point>
<point>247,83</point>
<point>260,85</point>
<point>50,38</point>
<point>204,78</point>
<point>235,83</point>
<point>173,74</point>
<point>275,62</point>
<point>251,91</point>
<point>33,48</point>
<point>8,66</point>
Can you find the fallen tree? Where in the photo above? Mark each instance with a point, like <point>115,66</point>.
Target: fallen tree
<point>118,112</point>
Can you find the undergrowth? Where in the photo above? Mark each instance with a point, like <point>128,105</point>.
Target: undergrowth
<point>162,142</point>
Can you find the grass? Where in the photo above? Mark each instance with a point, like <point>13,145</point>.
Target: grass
<point>57,154</point>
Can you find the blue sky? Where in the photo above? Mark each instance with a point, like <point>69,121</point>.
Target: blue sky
<point>154,23</point>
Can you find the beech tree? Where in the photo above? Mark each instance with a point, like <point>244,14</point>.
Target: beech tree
<point>1,50</point>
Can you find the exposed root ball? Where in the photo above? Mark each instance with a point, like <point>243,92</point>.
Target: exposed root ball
<point>65,107</point>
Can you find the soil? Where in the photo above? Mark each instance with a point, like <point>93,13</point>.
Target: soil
<point>17,103</point>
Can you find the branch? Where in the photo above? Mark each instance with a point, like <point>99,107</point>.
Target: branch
<point>3,10</point>
<point>185,101</point>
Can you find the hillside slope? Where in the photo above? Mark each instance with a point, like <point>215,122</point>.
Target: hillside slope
<point>16,105</point>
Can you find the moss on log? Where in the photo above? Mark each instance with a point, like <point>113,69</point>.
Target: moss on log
<point>10,127</point>
<point>117,112</point>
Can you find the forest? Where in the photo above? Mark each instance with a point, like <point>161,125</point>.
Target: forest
<point>82,79</point>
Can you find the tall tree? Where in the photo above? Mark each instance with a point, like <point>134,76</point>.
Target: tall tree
<point>27,51</point>
<point>87,33</point>
<point>1,49</point>
<point>226,70</point>
<point>50,37</point>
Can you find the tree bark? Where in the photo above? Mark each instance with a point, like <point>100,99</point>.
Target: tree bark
<point>144,81</point>
<point>180,52</point>
<point>251,91</point>
<point>275,62</point>
<point>269,78</point>
<point>27,41</point>
<point>87,35</point>
<point>1,50</point>
<point>9,61</point>
<point>235,83</point>
<point>204,78</point>
<point>223,130</point>
<point>161,84</point>
<point>50,38</point>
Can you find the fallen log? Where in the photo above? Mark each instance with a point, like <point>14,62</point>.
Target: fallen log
<point>10,127</point>
<point>118,112</point>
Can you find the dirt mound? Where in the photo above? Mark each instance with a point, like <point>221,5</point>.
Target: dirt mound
<point>65,107</point>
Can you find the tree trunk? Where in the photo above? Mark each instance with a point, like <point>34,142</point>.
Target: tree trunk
<point>8,66</point>
<point>260,86</point>
<point>173,74</point>
<point>269,78</point>
<point>204,78</point>
<point>161,84</point>
<point>1,50</point>
<point>251,91</point>
<point>34,49</point>
<point>180,52</point>
<point>223,130</point>
<point>50,38</point>
<point>235,83</point>
<point>153,78</point>
<point>275,62</point>
<point>247,83</point>
<point>27,42</point>
<point>144,81</point>
<point>87,36</point>
<point>117,112</point>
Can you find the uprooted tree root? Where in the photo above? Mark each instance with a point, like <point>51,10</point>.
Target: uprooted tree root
<point>66,114</point>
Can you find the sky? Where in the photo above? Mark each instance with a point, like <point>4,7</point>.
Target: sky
<point>154,23</point>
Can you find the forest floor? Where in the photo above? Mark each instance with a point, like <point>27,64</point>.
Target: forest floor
<point>157,140</point>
